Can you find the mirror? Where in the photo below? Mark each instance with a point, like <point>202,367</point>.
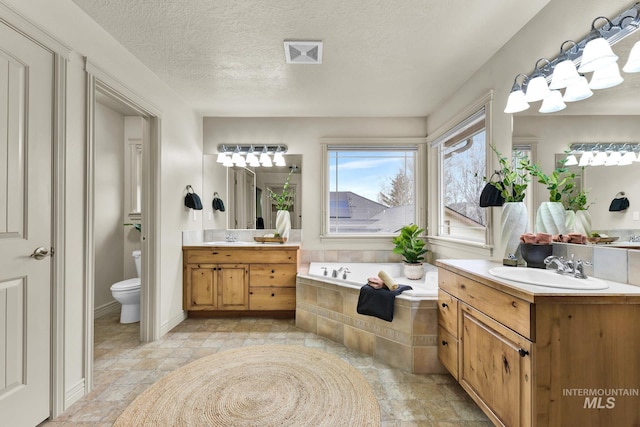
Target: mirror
<point>247,204</point>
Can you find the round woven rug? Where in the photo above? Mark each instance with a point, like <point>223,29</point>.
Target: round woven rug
<point>265,385</point>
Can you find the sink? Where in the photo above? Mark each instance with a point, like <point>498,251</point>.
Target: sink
<point>548,278</point>
<point>225,243</point>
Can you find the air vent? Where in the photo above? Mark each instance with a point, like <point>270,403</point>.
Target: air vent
<point>303,52</point>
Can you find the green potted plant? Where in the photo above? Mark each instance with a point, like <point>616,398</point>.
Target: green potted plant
<point>579,204</point>
<point>551,217</point>
<point>282,202</point>
<point>513,181</point>
<point>412,248</point>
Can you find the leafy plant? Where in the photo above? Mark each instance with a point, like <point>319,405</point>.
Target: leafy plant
<point>560,183</point>
<point>284,200</point>
<point>578,201</point>
<point>409,244</point>
<point>513,180</point>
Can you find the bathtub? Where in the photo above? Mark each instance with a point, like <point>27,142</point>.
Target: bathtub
<point>355,274</point>
<point>327,306</point>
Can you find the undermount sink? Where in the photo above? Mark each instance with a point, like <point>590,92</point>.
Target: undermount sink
<point>548,278</point>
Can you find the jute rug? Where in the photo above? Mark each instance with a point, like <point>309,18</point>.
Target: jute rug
<point>258,386</point>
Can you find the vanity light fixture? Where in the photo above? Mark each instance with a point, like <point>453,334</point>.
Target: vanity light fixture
<point>243,155</point>
<point>517,101</point>
<point>571,160</point>
<point>598,154</point>
<point>588,55</point>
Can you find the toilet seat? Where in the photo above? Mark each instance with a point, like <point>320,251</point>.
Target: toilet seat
<point>126,285</point>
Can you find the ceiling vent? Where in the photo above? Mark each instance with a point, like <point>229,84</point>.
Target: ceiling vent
<point>303,52</point>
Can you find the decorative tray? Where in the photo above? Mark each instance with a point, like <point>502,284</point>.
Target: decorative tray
<point>607,239</point>
<point>270,239</point>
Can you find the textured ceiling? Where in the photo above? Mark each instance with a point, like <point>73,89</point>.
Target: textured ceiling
<point>381,57</point>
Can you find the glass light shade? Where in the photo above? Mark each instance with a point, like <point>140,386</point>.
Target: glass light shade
<point>564,74</point>
<point>227,162</point>
<point>552,103</point>
<point>577,91</point>
<point>597,54</point>
<point>537,89</point>
<point>633,62</point>
<point>278,158</point>
<point>240,161</point>
<point>599,159</point>
<point>265,160</point>
<point>571,160</point>
<point>251,156</point>
<point>606,77</point>
<point>627,158</point>
<point>585,159</point>
<point>221,157</point>
<point>516,102</point>
<point>613,159</point>
<point>253,160</point>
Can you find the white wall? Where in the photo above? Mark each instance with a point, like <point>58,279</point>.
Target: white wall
<point>302,136</point>
<point>109,184</point>
<point>541,37</point>
<point>555,133</point>
<point>181,164</point>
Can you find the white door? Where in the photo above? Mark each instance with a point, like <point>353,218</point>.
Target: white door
<point>26,88</point>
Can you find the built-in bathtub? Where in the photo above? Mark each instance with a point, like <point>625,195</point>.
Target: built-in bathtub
<point>326,306</point>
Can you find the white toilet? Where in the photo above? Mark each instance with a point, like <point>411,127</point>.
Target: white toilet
<point>127,293</point>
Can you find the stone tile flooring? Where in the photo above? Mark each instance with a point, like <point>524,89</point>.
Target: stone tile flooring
<point>124,368</point>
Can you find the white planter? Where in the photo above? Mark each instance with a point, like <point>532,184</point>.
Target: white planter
<point>569,221</point>
<point>513,223</point>
<point>413,271</point>
<point>283,223</point>
<point>583,222</point>
<point>550,218</point>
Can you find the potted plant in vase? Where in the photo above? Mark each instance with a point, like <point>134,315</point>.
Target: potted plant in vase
<point>551,217</point>
<point>512,185</point>
<point>412,248</point>
<point>283,202</point>
<point>578,203</point>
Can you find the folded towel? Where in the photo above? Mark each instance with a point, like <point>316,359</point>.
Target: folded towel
<point>528,238</point>
<point>375,282</point>
<point>544,238</point>
<point>378,302</point>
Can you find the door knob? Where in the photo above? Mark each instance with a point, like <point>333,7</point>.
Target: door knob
<point>40,253</point>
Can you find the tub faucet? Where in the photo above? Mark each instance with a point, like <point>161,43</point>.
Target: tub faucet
<point>335,272</point>
<point>344,273</point>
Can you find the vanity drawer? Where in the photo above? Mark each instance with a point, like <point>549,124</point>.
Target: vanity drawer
<point>270,275</point>
<point>245,255</point>
<point>448,351</point>
<point>272,298</point>
<point>448,312</point>
<point>513,312</point>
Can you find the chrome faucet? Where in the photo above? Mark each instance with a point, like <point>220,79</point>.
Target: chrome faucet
<point>229,237</point>
<point>634,238</point>
<point>335,272</point>
<point>557,261</point>
<point>344,273</point>
<point>570,266</point>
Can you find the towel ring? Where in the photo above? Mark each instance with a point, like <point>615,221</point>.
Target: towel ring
<point>215,194</point>
<point>189,189</point>
<point>619,193</point>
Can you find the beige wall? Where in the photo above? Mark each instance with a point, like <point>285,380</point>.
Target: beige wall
<point>555,133</point>
<point>541,37</point>
<point>181,164</point>
<point>302,136</point>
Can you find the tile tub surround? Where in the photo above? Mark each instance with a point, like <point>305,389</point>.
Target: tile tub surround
<point>328,308</point>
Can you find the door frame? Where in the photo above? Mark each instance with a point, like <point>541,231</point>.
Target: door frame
<point>150,321</point>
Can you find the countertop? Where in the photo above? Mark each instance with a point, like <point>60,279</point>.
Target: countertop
<point>479,270</point>
<point>242,245</point>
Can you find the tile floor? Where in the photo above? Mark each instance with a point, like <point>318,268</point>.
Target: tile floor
<point>124,368</point>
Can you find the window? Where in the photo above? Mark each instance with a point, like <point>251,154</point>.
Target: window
<point>371,190</point>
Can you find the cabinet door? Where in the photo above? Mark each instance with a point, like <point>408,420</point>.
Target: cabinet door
<point>233,287</point>
<point>495,368</point>
<point>200,288</point>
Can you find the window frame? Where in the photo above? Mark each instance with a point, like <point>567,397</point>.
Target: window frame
<point>416,143</point>
<point>453,127</point>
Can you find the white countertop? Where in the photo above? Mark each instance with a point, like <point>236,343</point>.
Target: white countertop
<point>480,269</point>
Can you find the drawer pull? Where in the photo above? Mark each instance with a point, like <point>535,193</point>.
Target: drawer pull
<point>273,271</point>
<point>444,342</point>
<point>273,295</point>
<point>445,305</point>
<point>522,352</point>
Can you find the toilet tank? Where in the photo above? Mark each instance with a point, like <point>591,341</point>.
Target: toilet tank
<point>136,260</point>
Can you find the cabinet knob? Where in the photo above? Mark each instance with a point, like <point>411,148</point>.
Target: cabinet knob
<point>273,295</point>
<point>444,342</point>
<point>273,271</point>
<point>445,305</point>
<point>522,352</point>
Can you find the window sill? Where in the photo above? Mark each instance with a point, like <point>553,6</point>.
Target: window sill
<point>448,242</point>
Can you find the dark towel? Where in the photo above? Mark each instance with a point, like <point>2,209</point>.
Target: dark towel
<point>379,302</point>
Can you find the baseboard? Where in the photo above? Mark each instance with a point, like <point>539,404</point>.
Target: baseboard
<point>108,308</point>
<point>173,322</point>
<point>74,394</point>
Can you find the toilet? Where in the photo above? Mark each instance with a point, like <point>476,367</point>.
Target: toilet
<point>127,293</point>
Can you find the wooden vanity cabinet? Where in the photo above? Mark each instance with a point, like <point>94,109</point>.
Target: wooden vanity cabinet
<point>540,359</point>
<point>239,280</point>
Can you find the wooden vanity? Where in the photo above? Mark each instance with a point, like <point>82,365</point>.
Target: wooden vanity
<point>240,280</point>
<point>529,356</point>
